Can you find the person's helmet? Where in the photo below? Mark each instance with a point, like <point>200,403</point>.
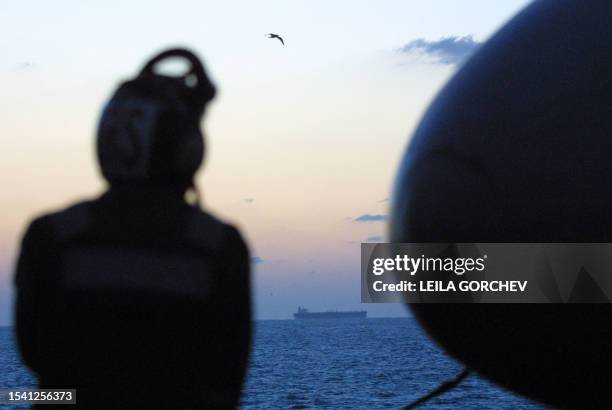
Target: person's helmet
<point>150,129</point>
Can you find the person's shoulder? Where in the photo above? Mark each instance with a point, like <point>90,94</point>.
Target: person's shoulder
<point>64,222</point>
<point>210,232</point>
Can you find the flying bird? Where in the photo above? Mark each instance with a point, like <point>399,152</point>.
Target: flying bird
<point>272,35</point>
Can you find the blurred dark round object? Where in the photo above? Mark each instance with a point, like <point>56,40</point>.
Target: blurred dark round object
<point>518,148</point>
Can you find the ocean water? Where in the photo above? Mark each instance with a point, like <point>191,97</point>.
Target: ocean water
<point>335,364</point>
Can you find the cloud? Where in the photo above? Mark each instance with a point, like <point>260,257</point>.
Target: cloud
<point>375,238</point>
<point>370,218</point>
<point>384,200</point>
<point>248,200</point>
<point>447,50</point>
<point>255,260</point>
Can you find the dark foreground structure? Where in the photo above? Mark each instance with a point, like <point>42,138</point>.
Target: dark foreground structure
<point>517,148</point>
<point>139,299</point>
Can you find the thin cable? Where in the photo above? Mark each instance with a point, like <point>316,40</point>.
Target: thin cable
<point>444,387</point>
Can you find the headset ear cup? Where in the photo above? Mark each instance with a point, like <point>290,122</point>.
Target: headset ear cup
<point>125,138</point>
<point>189,154</point>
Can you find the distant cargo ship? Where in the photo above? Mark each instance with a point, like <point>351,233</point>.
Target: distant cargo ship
<point>303,313</point>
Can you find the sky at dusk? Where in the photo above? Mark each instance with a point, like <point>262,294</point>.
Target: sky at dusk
<point>303,140</point>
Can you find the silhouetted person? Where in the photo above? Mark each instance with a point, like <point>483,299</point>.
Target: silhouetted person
<point>139,299</point>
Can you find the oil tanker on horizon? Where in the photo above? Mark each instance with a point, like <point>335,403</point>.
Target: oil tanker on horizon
<point>303,313</point>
